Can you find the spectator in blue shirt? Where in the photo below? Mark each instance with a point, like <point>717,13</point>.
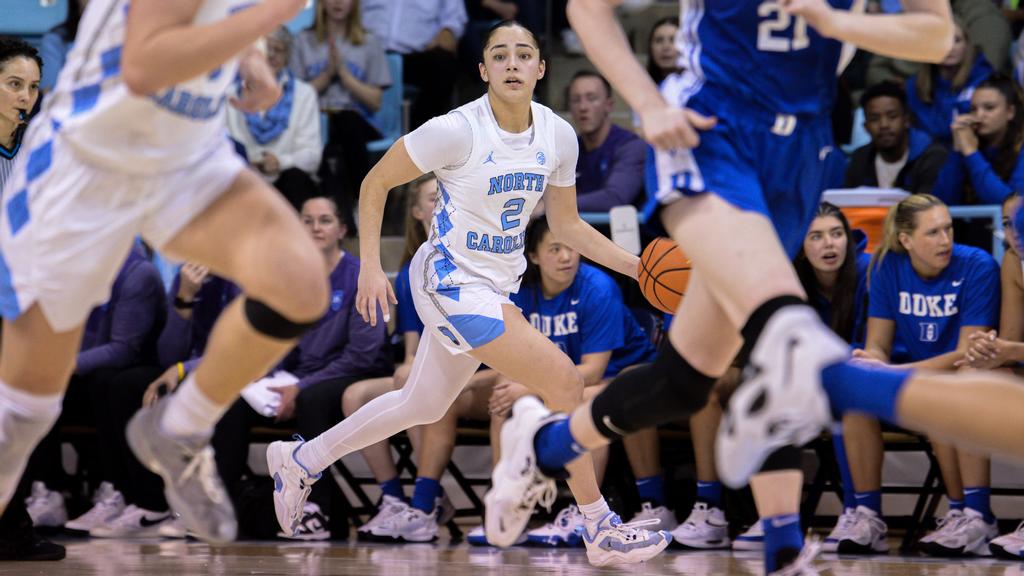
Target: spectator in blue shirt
<point>56,43</point>
<point>610,168</point>
<point>986,164</point>
<point>928,294</point>
<point>425,33</point>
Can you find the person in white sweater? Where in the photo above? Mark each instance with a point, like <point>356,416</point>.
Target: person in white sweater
<point>283,143</point>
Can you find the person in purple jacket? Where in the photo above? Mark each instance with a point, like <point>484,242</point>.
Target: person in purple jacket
<point>610,168</point>
<point>119,335</point>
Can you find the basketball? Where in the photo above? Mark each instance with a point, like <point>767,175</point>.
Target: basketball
<point>663,274</point>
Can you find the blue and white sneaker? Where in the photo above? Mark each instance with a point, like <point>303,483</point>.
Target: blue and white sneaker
<point>752,540</point>
<point>561,532</point>
<point>292,483</point>
<point>610,542</point>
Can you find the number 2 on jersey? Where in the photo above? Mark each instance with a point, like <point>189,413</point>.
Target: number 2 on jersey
<point>771,33</point>
<point>513,207</point>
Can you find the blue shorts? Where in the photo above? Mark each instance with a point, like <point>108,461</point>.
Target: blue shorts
<point>756,161</point>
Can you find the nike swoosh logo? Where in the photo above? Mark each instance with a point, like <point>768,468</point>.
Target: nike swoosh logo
<point>607,421</point>
<point>574,302</point>
<point>957,282</point>
<point>777,523</point>
<point>146,522</point>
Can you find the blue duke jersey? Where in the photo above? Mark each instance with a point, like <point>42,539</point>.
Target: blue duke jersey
<point>929,314</point>
<point>408,320</point>
<point>489,183</point>
<point>106,124</point>
<point>589,317</point>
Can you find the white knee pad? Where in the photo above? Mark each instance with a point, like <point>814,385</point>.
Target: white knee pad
<point>24,420</point>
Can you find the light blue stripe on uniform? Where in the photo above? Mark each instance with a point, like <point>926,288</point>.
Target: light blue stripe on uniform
<point>476,329</point>
<point>444,223</point>
<point>39,161</point>
<point>84,99</point>
<point>17,211</point>
<point>111,62</point>
<point>9,307</point>
<point>443,267</point>
<point>449,291</point>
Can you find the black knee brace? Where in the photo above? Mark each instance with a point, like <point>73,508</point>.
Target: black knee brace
<point>268,322</point>
<point>787,458</point>
<point>667,390</point>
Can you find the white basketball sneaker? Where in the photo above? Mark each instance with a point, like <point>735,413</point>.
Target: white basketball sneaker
<point>46,507</point>
<point>610,542</point>
<point>665,517</point>
<point>947,522</point>
<point>389,506</point>
<point>805,563</point>
<point>842,527</point>
<point>704,529</point>
<point>752,540</point>
<point>134,522</point>
<point>867,534</point>
<point>517,483</point>
<point>108,503</point>
<point>969,536</point>
<point>292,483</point>
<point>780,401</point>
<point>1010,545</point>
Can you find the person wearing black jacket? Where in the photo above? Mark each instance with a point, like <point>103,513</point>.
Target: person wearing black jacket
<point>898,156</point>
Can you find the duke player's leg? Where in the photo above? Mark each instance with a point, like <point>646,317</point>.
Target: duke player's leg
<point>37,363</point>
<point>248,234</point>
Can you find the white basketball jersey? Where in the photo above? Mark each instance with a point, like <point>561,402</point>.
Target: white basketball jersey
<point>479,223</point>
<point>93,110</point>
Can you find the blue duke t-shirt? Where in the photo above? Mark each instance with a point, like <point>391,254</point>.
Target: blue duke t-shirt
<point>930,313</point>
<point>587,318</point>
<point>408,320</point>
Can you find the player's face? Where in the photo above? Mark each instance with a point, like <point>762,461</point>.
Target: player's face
<point>337,10</point>
<point>512,64</point>
<point>886,121</point>
<point>931,242</point>
<point>992,113</point>
<point>557,261</point>
<point>663,46</point>
<point>323,224</point>
<point>825,244</point>
<point>590,104</point>
<point>426,200</point>
<point>19,89</point>
<point>1009,209</point>
<point>956,53</point>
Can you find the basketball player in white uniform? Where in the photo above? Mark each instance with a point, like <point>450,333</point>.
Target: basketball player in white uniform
<point>494,159</point>
<point>132,142</point>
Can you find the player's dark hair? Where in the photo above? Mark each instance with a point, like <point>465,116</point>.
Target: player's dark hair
<point>657,74</point>
<point>1009,148</point>
<point>415,235</point>
<point>536,230</point>
<point>844,292</point>
<point>508,24</point>
<point>901,219</point>
<point>587,74</point>
<point>884,90</point>
<point>11,48</point>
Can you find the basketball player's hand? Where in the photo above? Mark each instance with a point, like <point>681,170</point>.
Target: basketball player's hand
<point>505,394</point>
<point>668,128</point>
<point>270,164</point>
<point>288,394</point>
<point>192,277</point>
<point>260,89</point>
<point>165,384</point>
<point>374,293</point>
<point>818,13</point>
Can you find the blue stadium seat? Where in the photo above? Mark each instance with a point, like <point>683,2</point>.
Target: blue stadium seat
<point>389,118</point>
<point>304,19</point>
<point>31,18</point>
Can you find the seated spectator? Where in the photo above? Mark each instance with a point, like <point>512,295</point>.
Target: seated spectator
<point>56,43</point>
<point>928,294</point>
<point>119,335</point>
<point>986,164</point>
<point>898,155</point>
<point>610,168</point>
<point>662,52</point>
<point>425,33</point>
<point>938,91</point>
<point>349,70</point>
<point>283,143</point>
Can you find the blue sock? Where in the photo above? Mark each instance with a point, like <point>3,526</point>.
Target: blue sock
<point>555,446</point>
<point>393,487</point>
<point>710,493</point>
<point>955,504</point>
<point>844,467</point>
<point>424,496</point>
<point>783,541</point>
<point>979,499</point>
<point>652,489</point>
<point>873,391</point>
<point>871,499</point>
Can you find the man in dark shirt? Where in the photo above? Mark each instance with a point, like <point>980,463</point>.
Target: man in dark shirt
<point>898,156</point>
<point>610,168</point>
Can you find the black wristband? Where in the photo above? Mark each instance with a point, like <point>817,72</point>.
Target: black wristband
<point>183,304</point>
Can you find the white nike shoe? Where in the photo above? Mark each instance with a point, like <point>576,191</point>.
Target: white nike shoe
<point>562,531</point>
<point>947,522</point>
<point>46,507</point>
<point>292,483</point>
<point>389,506</point>
<point>842,527</point>
<point>517,483</point>
<point>134,522</point>
<point>969,536</point>
<point>411,525</point>
<point>1009,546</point>
<point>752,540</point>
<point>609,542</point>
<point>704,529</point>
<point>780,401</point>
<point>665,517</point>
<point>108,504</point>
<point>867,534</point>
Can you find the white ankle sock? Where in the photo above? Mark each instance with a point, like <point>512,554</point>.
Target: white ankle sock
<point>190,412</point>
<point>595,510</point>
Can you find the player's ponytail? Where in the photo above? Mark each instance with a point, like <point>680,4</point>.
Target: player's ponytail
<point>901,219</point>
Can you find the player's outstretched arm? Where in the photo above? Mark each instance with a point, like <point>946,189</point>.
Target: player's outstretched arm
<point>923,32</point>
<point>394,169</point>
<point>565,222</point>
<point>163,48</point>
<point>663,126</point>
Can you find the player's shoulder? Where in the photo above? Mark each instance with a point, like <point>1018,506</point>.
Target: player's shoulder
<point>974,258</point>
<point>596,283</point>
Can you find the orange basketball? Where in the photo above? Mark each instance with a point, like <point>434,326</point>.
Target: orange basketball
<point>663,274</point>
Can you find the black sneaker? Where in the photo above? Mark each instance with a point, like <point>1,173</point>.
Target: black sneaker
<point>30,547</point>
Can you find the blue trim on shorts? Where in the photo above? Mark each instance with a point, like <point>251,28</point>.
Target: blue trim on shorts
<point>476,329</point>
<point>85,99</point>
<point>9,307</point>
<point>39,161</point>
<point>17,211</point>
<point>111,62</point>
